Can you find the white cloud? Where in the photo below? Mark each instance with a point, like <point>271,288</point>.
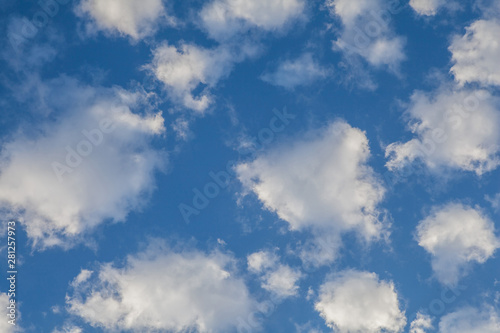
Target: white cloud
<point>5,327</point>
<point>456,235</point>
<point>321,182</point>
<point>359,302</point>
<point>223,19</point>
<point>471,320</point>
<point>134,18</point>
<point>457,129</point>
<point>293,73</point>
<point>68,328</point>
<point>367,33</point>
<point>277,278</point>
<point>421,324</point>
<point>164,290</point>
<point>92,163</point>
<point>188,67</point>
<point>475,55</point>
<point>427,7</point>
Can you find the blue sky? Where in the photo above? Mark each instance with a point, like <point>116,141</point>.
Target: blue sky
<point>263,166</point>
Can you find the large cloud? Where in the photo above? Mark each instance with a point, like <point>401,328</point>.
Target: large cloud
<point>359,302</point>
<point>475,55</point>
<point>163,290</point>
<point>92,163</point>
<point>366,32</point>
<point>455,129</point>
<point>456,235</point>
<point>471,320</point>
<point>223,19</point>
<point>321,182</point>
<point>187,67</point>
<point>134,18</point>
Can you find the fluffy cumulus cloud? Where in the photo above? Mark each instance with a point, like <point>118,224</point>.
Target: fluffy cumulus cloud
<point>277,278</point>
<point>163,290</point>
<point>298,72</point>
<point>223,19</point>
<point>475,55</point>
<point>188,67</point>
<point>471,320</point>
<point>367,33</point>
<point>421,324</point>
<point>455,129</point>
<point>321,182</point>
<point>456,235</point>
<point>133,18</point>
<point>359,302</point>
<point>427,7</point>
<point>92,163</point>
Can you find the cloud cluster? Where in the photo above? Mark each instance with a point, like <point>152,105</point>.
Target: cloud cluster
<point>163,290</point>
<point>92,163</point>
<point>321,182</point>
<point>134,18</point>
<point>222,19</point>
<point>456,235</point>
<point>367,33</point>
<point>455,129</point>
<point>277,278</point>
<point>359,302</point>
<point>298,72</point>
<point>475,55</point>
<point>5,327</point>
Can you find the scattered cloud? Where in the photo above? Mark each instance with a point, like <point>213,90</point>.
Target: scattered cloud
<point>188,67</point>
<point>277,278</point>
<point>456,235</point>
<point>161,289</point>
<point>471,320</point>
<point>367,33</point>
<point>359,302</point>
<point>134,18</point>
<point>427,7</point>
<point>421,324</point>
<point>222,19</point>
<point>5,327</point>
<point>475,55</point>
<point>92,163</point>
<point>298,72</point>
<point>455,129</point>
<point>321,182</point>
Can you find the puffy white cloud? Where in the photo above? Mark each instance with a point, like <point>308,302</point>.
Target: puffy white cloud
<point>427,7</point>
<point>471,320</point>
<point>188,67</point>
<point>366,32</point>
<point>277,278</point>
<point>223,19</point>
<point>321,182</point>
<point>421,324</point>
<point>293,73</point>
<point>457,129</point>
<point>134,18</point>
<point>456,235</point>
<point>92,163</point>
<point>359,302</point>
<point>164,290</point>
<point>475,55</point>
